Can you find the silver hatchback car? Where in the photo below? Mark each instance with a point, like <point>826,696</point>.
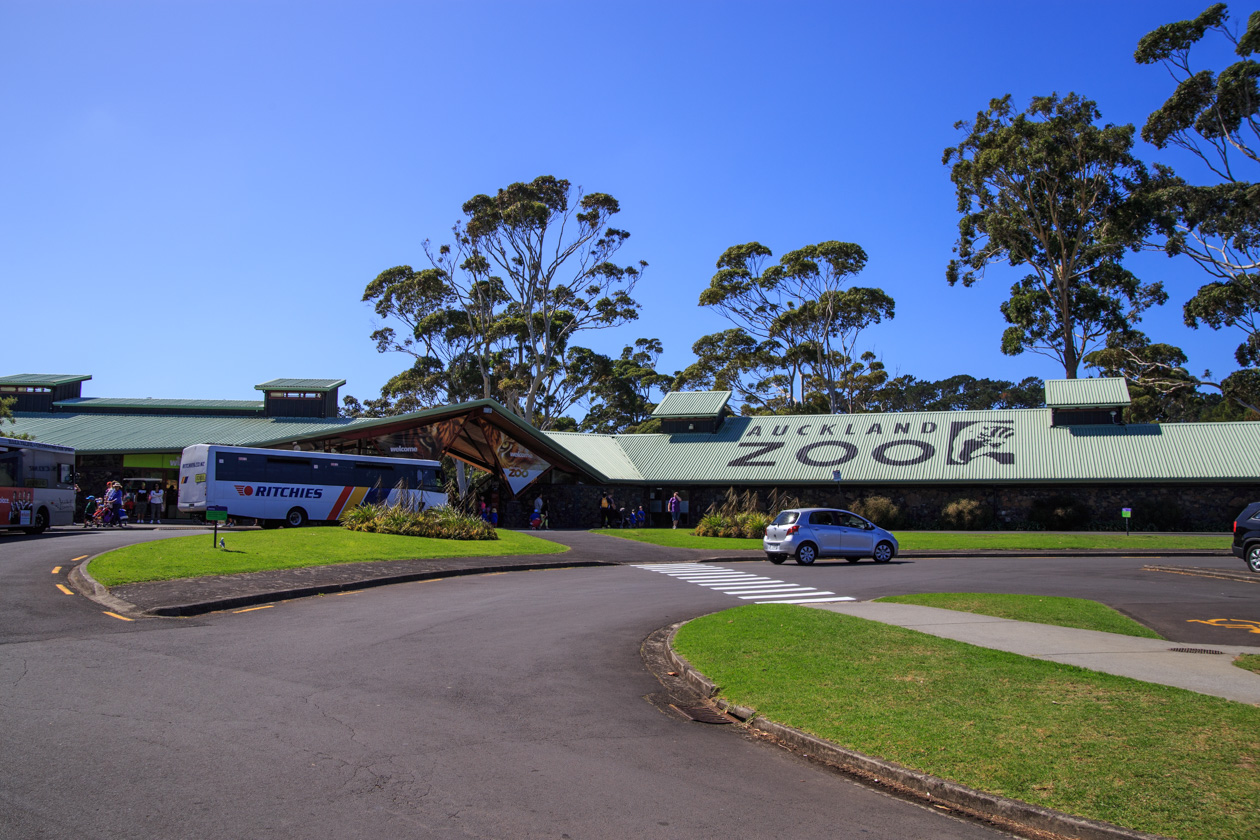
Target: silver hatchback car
<point>809,533</point>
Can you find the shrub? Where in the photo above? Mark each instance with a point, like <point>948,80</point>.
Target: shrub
<point>444,522</point>
<point>965,514</point>
<point>752,524</point>
<point>710,525</point>
<point>879,509</point>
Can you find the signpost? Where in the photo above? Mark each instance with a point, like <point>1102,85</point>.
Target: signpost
<point>216,514</point>
<point>1125,514</point>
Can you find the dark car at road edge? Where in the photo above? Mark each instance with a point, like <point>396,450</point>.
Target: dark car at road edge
<point>1247,536</point>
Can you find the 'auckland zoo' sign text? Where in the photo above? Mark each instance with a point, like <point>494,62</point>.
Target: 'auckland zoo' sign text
<point>899,446</point>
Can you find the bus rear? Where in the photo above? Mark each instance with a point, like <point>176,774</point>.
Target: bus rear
<point>193,469</point>
<point>36,485</point>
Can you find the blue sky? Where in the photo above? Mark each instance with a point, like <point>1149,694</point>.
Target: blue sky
<point>193,195</point>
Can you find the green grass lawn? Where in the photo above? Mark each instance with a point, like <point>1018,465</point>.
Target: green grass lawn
<point>1250,661</point>
<point>255,551</point>
<point>927,540</point>
<point>1039,609</point>
<point>1148,757</point>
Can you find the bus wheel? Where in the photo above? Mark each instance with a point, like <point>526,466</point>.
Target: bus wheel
<point>40,523</point>
<point>296,518</point>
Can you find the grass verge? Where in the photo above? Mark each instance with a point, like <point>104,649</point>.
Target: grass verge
<point>1148,757</point>
<point>935,540</point>
<point>1249,661</point>
<point>1039,609</point>
<point>256,551</point>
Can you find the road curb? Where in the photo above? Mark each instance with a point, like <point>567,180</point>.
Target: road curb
<point>94,590</point>
<point>271,596</point>
<point>933,790</point>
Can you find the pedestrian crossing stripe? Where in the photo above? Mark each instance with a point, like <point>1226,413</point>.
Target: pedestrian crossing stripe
<point>744,586</point>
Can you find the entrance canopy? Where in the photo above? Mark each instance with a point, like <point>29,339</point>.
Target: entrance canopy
<point>483,434</point>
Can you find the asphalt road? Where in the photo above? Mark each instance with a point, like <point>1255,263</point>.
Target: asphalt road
<point>511,705</point>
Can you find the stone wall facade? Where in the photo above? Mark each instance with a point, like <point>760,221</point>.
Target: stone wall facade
<point>1155,507</point>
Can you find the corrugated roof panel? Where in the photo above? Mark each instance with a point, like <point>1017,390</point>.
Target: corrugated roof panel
<point>97,433</point>
<point>1099,392</point>
<point>693,404</point>
<point>300,385</point>
<point>46,380</point>
<point>1017,445</point>
<point>601,452</point>
<point>158,403</point>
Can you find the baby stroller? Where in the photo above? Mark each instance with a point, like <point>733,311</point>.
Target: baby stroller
<point>103,517</point>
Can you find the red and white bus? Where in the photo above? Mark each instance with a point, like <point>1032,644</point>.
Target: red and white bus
<point>277,486</point>
<point>36,485</point>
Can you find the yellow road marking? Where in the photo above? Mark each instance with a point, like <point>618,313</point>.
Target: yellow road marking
<point>117,616</point>
<point>80,557</point>
<point>56,570</point>
<point>65,589</point>
<point>251,609</point>
<point>1230,623</point>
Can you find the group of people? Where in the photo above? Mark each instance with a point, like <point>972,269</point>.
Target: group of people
<point>116,508</point>
<point>541,517</point>
<point>610,515</point>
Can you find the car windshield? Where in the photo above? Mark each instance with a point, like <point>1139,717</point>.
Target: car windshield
<point>788,517</point>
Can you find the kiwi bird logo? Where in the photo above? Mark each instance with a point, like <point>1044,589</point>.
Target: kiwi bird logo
<point>969,440</point>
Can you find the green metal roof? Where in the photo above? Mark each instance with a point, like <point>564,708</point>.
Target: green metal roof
<point>966,447</point>
<point>1101,392</point>
<point>692,404</point>
<point>159,403</point>
<point>603,452</point>
<point>114,433</point>
<point>300,385</point>
<point>43,380</point>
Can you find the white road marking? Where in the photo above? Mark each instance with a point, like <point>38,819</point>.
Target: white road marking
<point>744,586</point>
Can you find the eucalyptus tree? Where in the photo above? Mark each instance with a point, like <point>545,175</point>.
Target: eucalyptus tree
<point>1049,190</point>
<point>795,322</point>
<point>1215,117</point>
<point>526,270</point>
<point>622,400</point>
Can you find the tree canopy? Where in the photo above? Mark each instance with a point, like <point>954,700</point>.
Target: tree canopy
<point>1050,190</point>
<point>1213,117</point>
<point>495,311</point>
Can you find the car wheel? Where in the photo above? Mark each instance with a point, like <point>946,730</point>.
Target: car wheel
<point>1253,557</point>
<point>883,552</point>
<point>776,559</point>
<point>295,518</point>
<point>806,554</point>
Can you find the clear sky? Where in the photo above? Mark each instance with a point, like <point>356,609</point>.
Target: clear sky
<point>193,195</point>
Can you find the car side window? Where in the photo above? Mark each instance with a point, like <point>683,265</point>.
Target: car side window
<point>821,517</point>
<point>851,521</point>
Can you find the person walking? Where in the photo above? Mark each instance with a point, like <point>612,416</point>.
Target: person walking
<point>157,502</point>
<point>605,510</point>
<point>142,503</point>
<point>114,501</point>
<point>675,508</point>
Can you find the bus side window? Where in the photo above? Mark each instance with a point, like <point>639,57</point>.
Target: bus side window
<point>335,473</point>
<point>234,466</point>
<point>431,478</point>
<point>289,471</point>
<point>9,470</point>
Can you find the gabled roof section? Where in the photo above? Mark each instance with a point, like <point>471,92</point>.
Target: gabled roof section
<point>692,405</point>
<point>300,385</point>
<point>43,380</point>
<point>1102,392</point>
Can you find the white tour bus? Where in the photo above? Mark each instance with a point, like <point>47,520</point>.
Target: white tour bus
<point>36,485</point>
<point>276,486</point>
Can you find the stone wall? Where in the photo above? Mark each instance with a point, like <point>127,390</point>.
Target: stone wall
<point>1155,507</point>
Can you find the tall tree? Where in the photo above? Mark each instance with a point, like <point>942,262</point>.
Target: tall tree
<point>1049,190</point>
<point>1215,117</point>
<point>622,400</point>
<point>796,324</point>
<point>527,270</point>
<point>6,415</point>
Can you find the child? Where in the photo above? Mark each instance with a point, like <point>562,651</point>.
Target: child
<point>89,511</point>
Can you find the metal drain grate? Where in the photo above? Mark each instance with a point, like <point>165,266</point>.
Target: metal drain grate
<point>1197,650</point>
<point>702,714</point>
